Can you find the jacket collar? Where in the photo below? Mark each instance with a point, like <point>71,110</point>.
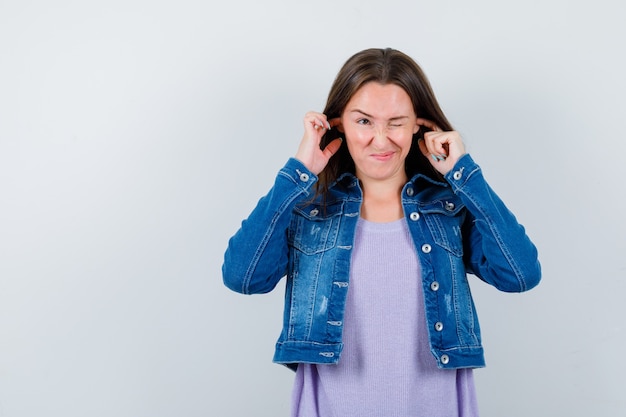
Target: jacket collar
<point>348,180</point>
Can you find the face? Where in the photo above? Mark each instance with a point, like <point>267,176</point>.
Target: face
<point>379,123</point>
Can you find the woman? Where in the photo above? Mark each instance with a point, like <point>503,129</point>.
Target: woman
<point>376,237</point>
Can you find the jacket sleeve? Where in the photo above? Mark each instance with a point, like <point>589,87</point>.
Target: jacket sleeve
<point>256,256</point>
<point>496,247</point>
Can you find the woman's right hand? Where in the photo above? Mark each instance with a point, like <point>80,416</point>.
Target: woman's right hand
<point>309,152</point>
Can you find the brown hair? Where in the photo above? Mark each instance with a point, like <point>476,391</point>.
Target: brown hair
<point>384,66</point>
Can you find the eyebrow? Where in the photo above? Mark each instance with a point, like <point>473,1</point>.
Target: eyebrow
<point>372,117</point>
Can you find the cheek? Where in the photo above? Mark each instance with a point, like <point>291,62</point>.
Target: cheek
<point>354,137</point>
<point>402,137</point>
<point>351,145</point>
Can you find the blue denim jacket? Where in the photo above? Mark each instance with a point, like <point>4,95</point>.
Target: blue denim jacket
<point>460,227</point>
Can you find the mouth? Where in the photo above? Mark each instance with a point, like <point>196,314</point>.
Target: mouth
<point>383,156</point>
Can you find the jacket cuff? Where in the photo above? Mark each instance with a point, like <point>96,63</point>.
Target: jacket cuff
<point>299,174</point>
<point>460,174</point>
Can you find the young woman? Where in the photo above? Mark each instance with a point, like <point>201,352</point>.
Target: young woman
<point>376,223</point>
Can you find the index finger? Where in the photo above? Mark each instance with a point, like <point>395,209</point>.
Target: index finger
<point>334,122</point>
<point>429,124</point>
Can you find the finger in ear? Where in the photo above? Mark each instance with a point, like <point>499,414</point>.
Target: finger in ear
<point>416,128</point>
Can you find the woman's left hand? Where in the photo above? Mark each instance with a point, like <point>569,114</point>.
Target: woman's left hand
<point>443,149</point>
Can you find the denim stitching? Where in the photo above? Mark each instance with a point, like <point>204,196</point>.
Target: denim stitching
<point>270,231</point>
<point>505,250</point>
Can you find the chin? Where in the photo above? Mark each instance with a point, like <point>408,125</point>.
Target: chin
<point>381,175</point>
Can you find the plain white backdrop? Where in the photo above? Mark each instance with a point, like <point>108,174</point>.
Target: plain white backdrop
<point>136,135</point>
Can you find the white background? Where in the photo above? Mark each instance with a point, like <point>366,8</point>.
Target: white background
<point>136,135</point>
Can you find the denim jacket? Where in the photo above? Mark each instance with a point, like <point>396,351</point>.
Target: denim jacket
<point>459,227</point>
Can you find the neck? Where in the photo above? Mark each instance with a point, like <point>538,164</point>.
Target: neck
<point>381,201</point>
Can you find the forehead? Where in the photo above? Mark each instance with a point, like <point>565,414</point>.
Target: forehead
<point>381,100</point>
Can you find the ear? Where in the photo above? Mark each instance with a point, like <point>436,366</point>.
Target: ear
<point>336,123</point>
<point>416,128</point>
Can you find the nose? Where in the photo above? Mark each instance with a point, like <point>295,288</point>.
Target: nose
<point>380,137</point>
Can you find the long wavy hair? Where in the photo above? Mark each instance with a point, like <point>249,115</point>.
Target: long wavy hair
<point>384,66</point>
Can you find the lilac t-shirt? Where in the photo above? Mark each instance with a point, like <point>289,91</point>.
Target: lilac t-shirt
<point>386,367</point>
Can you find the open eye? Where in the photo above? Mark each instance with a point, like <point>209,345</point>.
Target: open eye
<point>364,122</point>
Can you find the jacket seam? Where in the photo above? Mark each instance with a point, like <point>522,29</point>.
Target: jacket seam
<point>519,276</point>
<point>266,238</point>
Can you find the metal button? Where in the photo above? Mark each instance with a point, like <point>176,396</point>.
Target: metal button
<point>426,248</point>
<point>444,359</point>
<point>314,212</point>
<point>449,206</point>
<point>457,175</point>
<point>439,326</point>
<point>434,286</point>
<point>304,177</point>
<point>415,216</point>
<point>410,191</point>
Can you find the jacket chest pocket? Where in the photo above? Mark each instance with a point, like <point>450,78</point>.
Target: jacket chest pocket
<point>315,228</point>
<point>444,219</point>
